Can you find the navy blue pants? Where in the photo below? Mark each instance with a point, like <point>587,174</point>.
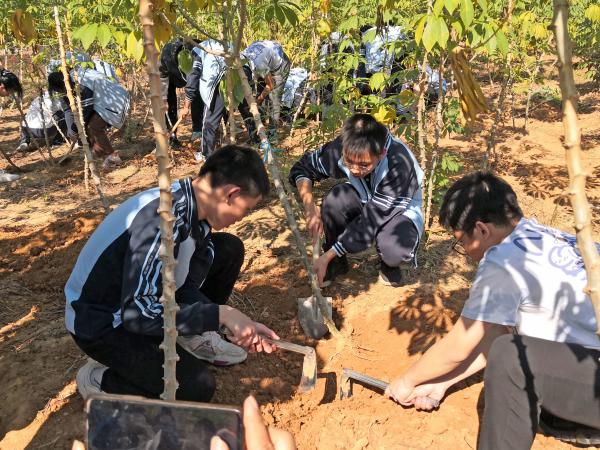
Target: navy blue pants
<point>396,241</point>
<point>135,361</point>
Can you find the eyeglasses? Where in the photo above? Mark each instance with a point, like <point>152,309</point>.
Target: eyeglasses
<point>457,246</point>
<point>361,167</point>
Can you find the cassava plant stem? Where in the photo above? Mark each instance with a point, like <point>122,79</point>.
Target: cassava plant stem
<point>572,143</point>
<point>167,219</point>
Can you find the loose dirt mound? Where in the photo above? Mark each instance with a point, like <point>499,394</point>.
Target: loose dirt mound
<point>47,216</point>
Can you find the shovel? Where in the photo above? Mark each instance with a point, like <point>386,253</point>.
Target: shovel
<point>314,312</point>
<point>348,376</point>
<point>309,365</point>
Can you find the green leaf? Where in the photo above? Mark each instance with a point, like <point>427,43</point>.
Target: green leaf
<point>458,27</point>
<point>138,51</point>
<point>377,81</point>
<point>369,36</point>
<point>279,14</point>
<point>502,42</point>
<point>269,13</point>
<point>88,35</point>
<point>120,38</point>
<point>131,44</point>
<point>466,12</point>
<point>431,35</point>
<point>451,5</point>
<point>290,15</point>
<point>185,61</point>
<point>438,6</point>
<point>592,12</point>
<point>419,29</point>
<point>444,33</point>
<point>323,27</point>
<point>104,35</point>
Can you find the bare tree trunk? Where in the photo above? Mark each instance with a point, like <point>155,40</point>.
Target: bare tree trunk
<point>439,123</point>
<point>491,140</point>
<point>228,35</point>
<point>78,114</point>
<point>273,168</point>
<point>572,143</point>
<point>421,139</point>
<point>167,219</point>
<point>530,82</point>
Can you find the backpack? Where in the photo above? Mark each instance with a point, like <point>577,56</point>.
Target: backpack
<point>111,100</point>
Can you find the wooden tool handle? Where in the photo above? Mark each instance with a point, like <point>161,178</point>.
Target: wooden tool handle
<point>284,345</point>
<point>304,349</point>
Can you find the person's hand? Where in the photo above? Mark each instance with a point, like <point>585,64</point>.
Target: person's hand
<point>256,434</point>
<point>314,224</point>
<point>260,99</point>
<point>427,396</point>
<point>320,267</point>
<point>244,332</point>
<point>400,390</point>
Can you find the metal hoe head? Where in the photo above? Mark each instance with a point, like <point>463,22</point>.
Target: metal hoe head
<point>309,365</point>
<point>346,382</point>
<point>310,317</point>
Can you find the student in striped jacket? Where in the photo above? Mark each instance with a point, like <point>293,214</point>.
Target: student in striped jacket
<point>112,296</point>
<point>379,204</point>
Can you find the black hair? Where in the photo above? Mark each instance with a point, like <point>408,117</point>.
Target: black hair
<point>479,196</point>
<point>362,133</point>
<point>11,82</point>
<point>56,83</point>
<point>238,165</point>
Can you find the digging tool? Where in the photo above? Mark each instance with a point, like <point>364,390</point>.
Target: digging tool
<point>311,310</point>
<point>348,376</point>
<point>309,365</point>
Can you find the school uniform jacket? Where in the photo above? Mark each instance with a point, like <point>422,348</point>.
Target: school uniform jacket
<point>394,187</point>
<point>117,279</point>
<point>207,72</point>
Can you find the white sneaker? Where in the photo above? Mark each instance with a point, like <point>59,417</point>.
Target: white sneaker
<point>23,147</point>
<point>89,378</point>
<point>211,347</point>
<point>113,160</point>
<point>8,177</point>
<point>199,157</point>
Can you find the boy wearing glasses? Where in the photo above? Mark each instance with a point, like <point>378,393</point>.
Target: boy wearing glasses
<point>528,321</point>
<point>380,203</point>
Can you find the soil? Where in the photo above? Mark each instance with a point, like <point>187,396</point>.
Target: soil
<point>47,216</point>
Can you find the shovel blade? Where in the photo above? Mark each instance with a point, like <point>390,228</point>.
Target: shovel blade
<point>310,317</point>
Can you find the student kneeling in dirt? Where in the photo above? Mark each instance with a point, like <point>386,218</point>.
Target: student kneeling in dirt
<point>47,115</point>
<point>531,280</point>
<point>380,203</point>
<point>113,309</point>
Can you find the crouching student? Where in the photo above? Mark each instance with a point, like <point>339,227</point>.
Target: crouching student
<point>46,115</point>
<point>527,321</point>
<point>379,204</point>
<point>270,67</point>
<point>112,296</point>
<point>206,82</point>
<point>105,104</point>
